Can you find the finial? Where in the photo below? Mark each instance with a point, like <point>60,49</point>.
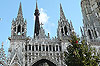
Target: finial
<point>41,24</point>
<point>20,4</point>
<point>60,6</point>
<point>48,35</point>
<point>36,5</point>
<point>2,44</point>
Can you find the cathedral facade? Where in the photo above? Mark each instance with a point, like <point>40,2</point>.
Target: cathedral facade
<point>39,50</point>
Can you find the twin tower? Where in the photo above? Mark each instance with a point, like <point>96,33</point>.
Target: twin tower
<point>19,25</point>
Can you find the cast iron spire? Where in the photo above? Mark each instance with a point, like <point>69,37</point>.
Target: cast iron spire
<point>37,24</point>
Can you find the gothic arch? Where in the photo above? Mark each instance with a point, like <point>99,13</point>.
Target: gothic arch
<point>65,29</point>
<point>89,33</point>
<point>62,32</point>
<point>95,34</point>
<point>42,59</point>
<point>19,29</point>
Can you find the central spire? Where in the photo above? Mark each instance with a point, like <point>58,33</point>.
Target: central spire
<point>37,23</point>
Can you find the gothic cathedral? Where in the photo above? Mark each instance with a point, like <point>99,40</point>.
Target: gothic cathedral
<point>39,50</point>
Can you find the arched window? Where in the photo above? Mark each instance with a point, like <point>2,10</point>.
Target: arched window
<point>22,30</point>
<point>33,48</point>
<point>26,47</point>
<point>89,32</point>
<point>46,48</point>
<point>62,32</point>
<point>36,47</point>
<point>65,28</point>
<point>96,34</point>
<point>19,30</point>
<point>98,3</point>
<point>29,47</point>
<point>43,47</point>
<point>53,48</point>
<point>50,47</point>
<point>60,48</point>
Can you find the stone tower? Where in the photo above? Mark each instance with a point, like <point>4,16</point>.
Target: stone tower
<point>91,20</point>
<point>18,28</point>
<point>64,27</point>
<point>17,39</point>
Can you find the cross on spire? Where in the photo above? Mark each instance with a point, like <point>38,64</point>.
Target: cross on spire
<point>41,24</point>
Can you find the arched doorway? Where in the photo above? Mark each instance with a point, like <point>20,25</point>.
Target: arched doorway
<point>44,62</point>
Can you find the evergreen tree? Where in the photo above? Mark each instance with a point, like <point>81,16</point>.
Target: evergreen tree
<point>80,54</point>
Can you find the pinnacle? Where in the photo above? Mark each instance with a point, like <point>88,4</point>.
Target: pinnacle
<point>60,6</point>
<point>20,10</point>
<point>62,13</point>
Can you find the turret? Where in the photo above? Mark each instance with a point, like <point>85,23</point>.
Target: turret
<point>18,29</point>
<point>91,19</point>
<point>64,27</point>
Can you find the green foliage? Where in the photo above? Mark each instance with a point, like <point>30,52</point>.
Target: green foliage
<point>80,54</point>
